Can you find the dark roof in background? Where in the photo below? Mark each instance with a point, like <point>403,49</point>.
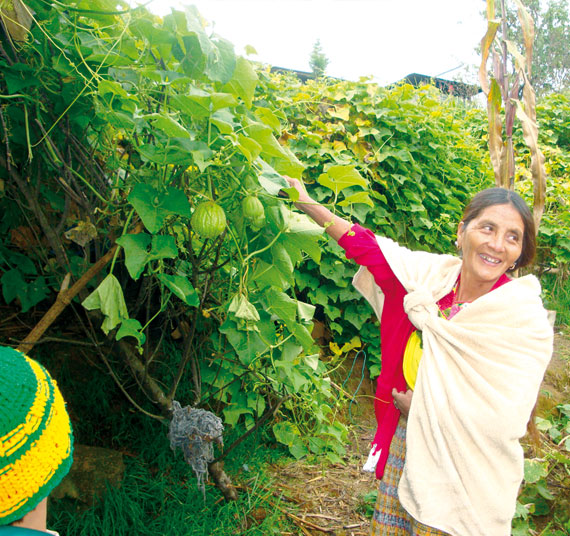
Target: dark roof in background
<point>450,87</point>
<point>301,75</point>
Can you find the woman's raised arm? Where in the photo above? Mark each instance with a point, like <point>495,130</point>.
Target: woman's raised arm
<point>333,224</point>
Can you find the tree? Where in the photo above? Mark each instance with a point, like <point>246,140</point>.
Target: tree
<point>318,60</point>
<point>551,61</point>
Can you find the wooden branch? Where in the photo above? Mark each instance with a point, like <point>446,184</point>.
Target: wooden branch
<point>148,382</point>
<point>62,301</point>
<point>222,481</point>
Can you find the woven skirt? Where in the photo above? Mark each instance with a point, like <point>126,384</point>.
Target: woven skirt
<point>390,518</point>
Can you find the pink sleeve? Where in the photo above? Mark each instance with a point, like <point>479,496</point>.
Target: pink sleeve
<point>360,245</point>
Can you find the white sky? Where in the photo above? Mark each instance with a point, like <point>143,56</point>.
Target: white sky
<point>385,39</point>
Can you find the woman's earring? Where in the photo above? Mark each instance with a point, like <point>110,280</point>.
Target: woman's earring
<point>457,244</point>
<point>513,266</point>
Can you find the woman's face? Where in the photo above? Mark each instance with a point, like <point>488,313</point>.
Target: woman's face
<point>491,243</point>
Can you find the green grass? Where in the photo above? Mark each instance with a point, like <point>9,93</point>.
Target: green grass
<point>159,494</point>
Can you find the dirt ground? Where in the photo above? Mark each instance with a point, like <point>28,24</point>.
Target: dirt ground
<point>329,499</point>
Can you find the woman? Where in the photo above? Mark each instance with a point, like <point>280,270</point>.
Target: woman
<point>464,349</point>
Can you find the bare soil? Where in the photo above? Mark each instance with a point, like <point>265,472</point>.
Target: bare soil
<point>321,498</point>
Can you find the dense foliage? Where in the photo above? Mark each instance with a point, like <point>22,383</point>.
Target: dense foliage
<point>124,130</point>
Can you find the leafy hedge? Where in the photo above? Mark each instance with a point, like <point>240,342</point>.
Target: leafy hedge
<point>417,163</point>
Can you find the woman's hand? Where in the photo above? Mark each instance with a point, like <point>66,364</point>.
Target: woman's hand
<point>303,195</point>
<point>403,400</point>
<point>334,226</point>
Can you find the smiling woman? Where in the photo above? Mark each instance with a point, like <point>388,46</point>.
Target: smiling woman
<point>464,349</point>
<point>496,236</point>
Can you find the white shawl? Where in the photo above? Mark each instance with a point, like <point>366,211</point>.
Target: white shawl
<point>477,383</point>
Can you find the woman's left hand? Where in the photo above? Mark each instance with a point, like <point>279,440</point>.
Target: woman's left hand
<point>403,400</point>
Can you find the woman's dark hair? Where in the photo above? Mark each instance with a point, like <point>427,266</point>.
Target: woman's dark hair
<point>502,196</point>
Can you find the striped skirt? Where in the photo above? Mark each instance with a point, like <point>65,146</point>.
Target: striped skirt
<point>389,518</point>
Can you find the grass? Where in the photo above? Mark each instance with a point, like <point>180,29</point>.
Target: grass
<point>159,494</point>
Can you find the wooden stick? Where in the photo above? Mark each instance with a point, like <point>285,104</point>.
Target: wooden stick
<point>62,301</point>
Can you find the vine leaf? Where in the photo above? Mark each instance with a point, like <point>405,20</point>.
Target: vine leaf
<point>221,61</point>
<point>131,328</point>
<point>302,233</point>
<point>534,470</point>
<point>154,207</point>
<point>271,181</point>
<point>109,299</point>
<point>250,149</point>
<point>243,82</point>
<point>358,197</point>
<point>243,308</point>
<point>15,286</point>
<point>338,178</point>
<point>181,287</point>
<point>138,255</point>
<point>247,343</point>
<point>166,124</point>
<point>286,433</point>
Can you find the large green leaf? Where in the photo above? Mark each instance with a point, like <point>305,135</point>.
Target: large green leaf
<point>282,261</point>
<point>221,61</point>
<point>15,286</point>
<point>247,344</point>
<point>154,207</point>
<point>131,328</point>
<point>180,286</point>
<point>168,125</point>
<point>243,81</point>
<point>198,103</point>
<point>250,149</point>
<point>178,151</point>
<point>286,432</point>
<point>302,233</point>
<point>109,299</point>
<point>267,275</point>
<point>271,181</point>
<point>243,308</point>
<point>534,470</point>
<point>337,178</point>
<point>138,254</point>
<point>236,408</point>
<point>281,305</point>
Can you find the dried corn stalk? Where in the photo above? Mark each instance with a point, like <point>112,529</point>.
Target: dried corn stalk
<point>505,90</point>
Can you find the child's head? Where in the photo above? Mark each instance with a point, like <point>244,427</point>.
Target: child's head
<point>36,440</point>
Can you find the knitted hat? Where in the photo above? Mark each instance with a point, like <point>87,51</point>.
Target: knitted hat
<point>36,440</point>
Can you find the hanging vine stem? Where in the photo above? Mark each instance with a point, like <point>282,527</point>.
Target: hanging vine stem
<point>125,227</point>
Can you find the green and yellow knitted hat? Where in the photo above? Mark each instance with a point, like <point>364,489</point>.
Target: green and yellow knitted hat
<point>36,440</point>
